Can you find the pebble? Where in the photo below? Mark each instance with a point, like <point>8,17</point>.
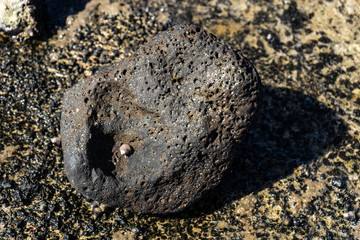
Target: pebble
<point>175,108</point>
<point>350,215</point>
<point>125,149</point>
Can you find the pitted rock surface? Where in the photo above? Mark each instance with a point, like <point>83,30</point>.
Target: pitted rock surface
<point>180,102</point>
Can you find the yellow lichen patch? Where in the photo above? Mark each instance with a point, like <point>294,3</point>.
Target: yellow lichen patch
<point>245,205</point>
<point>125,234</point>
<point>226,28</point>
<point>295,203</point>
<point>356,94</point>
<point>222,224</point>
<point>314,189</point>
<point>7,152</point>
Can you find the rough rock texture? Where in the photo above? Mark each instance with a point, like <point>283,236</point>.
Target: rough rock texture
<point>21,16</point>
<point>180,102</point>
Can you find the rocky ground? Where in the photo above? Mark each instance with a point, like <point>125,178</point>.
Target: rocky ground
<point>297,172</point>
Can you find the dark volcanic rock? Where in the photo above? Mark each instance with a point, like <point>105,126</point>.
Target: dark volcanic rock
<point>180,103</point>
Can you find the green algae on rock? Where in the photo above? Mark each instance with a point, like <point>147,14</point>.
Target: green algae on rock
<point>179,103</point>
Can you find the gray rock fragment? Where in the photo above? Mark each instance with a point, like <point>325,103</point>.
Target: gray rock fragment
<point>181,102</point>
<point>21,16</point>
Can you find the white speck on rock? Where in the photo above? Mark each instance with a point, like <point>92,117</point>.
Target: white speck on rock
<point>125,149</point>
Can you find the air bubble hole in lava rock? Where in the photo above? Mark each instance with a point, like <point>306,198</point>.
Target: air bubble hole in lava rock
<point>100,151</point>
<point>178,105</point>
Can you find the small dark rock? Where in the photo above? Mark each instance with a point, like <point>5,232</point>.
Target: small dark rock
<point>180,102</point>
<point>308,103</point>
<point>338,182</point>
<point>7,184</point>
<point>28,191</point>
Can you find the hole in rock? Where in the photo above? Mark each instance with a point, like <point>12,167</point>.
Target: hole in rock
<point>100,151</point>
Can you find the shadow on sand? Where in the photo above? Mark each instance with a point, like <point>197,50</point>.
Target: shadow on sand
<point>58,10</point>
<point>292,129</point>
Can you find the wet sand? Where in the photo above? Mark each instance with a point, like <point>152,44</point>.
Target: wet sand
<point>296,174</point>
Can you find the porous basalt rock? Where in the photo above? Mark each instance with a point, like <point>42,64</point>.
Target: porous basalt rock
<point>180,102</point>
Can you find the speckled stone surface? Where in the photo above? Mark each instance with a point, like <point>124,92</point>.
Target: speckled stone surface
<point>180,101</point>
<point>296,175</point>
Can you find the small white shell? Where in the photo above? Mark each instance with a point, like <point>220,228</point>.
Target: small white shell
<point>125,149</point>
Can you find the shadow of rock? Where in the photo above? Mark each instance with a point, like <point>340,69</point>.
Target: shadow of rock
<point>100,151</point>
<point>59,10</point>
<point>292,129</point>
